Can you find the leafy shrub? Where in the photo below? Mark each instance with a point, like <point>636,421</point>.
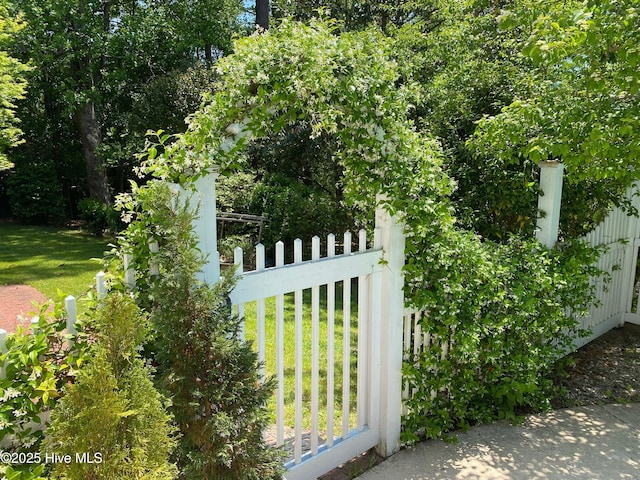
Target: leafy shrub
<point>99,216</point>
<point>296,210</point>
<point>218,397</point>
<point>35,193</point>
<point>113,412</point>
<point>499,318</point>
<point>37,365</point>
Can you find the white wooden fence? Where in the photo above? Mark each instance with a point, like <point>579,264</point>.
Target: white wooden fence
<point>371,279</point>
<point>365,411</point>
<point>620,232</point>
<point>70,305</point>
<point>326,444</point>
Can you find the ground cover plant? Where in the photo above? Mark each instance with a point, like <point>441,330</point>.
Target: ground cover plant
<point>37,365</point>
<point>49,259</point>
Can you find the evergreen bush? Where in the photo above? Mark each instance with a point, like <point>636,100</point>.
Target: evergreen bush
<point>112,414</point>
<point>218,397</point>
<point>35,193</point>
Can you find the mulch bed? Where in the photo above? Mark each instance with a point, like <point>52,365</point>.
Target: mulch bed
<point>607,370</point>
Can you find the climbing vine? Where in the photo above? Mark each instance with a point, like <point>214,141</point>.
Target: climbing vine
<point>503,309</point>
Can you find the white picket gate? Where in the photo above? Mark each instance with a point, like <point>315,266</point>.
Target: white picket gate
<point>328,445</point>
<point>376,271</point>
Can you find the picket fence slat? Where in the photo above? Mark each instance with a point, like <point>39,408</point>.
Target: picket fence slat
<point>363,356</point>
<point>315,350</point>
<point>129,272</point>
<point>101,285</point>
<point>280,352</point>
<point>346,343</point>
<point>3,350</point>
<point>238,262</point>
<point>72,314</point>
<point>331,306</point>
<point>260,311</point>
<point>297,255</point>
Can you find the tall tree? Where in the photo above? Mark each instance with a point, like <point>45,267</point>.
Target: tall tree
<point>356,14</point>
<point>12,83</point>
<point>262,13</point>
<point>99,62</point>
<point>583,101</point>
<point>206,27</point>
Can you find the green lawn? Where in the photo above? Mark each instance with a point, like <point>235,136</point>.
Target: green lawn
<point>50,259</point>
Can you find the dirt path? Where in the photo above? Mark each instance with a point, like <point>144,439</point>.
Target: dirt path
<point>16,301</point>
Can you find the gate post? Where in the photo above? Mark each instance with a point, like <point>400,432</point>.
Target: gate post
<point>204,226</point>
<point>549,202</point>
<point>391,323</point>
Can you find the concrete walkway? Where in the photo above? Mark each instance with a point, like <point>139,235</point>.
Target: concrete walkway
<point>593,442</point>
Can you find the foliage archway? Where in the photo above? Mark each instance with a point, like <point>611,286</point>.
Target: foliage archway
<point>344,87</point>
<point>501,309</point>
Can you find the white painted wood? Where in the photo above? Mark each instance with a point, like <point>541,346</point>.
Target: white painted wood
<point>260,311</point>
<point>280,352</point>
<point>346,342</point>
<point>154,249</point>
<point>629,273</point>
<point>204,226</point>
<point>375,332</point>
<point>3,350</point>
<point>331,318</point>
<point>632,318</point>
<point>549,202</point>
<point>328,459</point>
<point>315,350</point>
<point>296,277</point>
<point>297,258</point>
<point>238,263</point>
<point>417,334</point>
<point>362,396</point>
<point>129,272</point>
<point>72,314</point>
<point>101,285</point>
<point>274,281</point>
<point>390,346</point>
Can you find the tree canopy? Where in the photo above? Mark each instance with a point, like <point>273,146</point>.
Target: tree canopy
<point>584,102</point>
<point>12,83</point>
<point>581,103</point>
<point>106,72</point>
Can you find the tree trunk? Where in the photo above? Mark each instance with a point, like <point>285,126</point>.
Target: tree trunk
<point>262,14</point>
<point>87,123</point>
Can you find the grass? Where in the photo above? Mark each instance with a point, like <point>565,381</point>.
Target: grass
<point>49,259</point>
<point>52,259</point>
<point>289,356</point>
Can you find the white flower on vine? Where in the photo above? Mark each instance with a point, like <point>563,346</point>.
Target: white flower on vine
<point>10,393</point>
